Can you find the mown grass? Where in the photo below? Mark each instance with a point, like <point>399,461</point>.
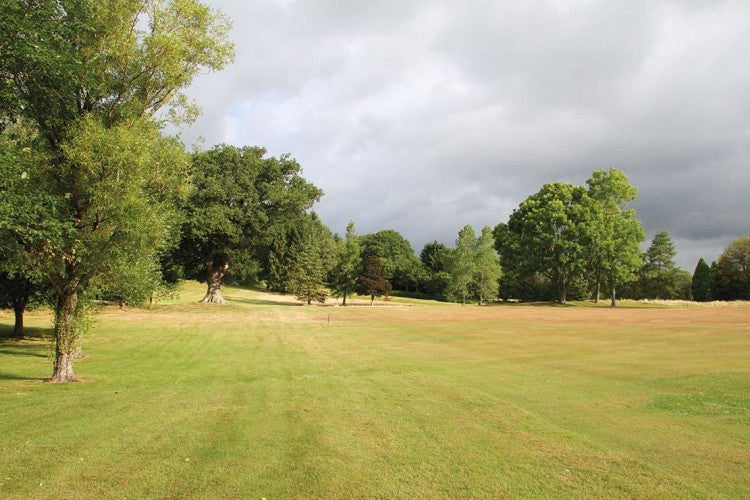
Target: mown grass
<point>259,399</point>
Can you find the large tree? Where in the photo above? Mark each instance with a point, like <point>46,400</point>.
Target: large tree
<point>403,270</point>
<point>92,78</point>
<point>550,233</point>
<point>239,196</point>
<point>614,253</point>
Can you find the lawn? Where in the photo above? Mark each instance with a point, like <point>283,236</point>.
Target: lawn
<point>269,399</point>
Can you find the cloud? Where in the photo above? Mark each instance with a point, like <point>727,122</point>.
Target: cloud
<point>425,116</point>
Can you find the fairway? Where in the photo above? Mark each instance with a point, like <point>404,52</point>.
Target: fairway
<point>269,399</point>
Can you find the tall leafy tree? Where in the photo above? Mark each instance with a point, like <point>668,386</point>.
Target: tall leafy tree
<point>372,279</point>
<point>463,266</point>
<point>239,195</point>
<point>550,233</point>
<point>486,268</point>
<point>403,269</point>
<point>614,252</point>
<point>733,271</point>
<point>701,282</point>
<point>91,78</point>
<point>348,265</point>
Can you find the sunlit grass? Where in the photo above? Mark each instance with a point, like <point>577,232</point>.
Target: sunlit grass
<point>263,398</point>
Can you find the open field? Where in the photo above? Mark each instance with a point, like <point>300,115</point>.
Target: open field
<point>266,399</point>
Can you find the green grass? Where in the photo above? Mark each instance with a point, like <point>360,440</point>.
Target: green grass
<point>260,399</point>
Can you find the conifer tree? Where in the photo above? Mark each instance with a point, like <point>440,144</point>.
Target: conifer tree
<point>348,265</point>
<point>701,284</point>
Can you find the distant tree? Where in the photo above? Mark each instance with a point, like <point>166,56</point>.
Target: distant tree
<point>435,256</point>
<point>614,252</point>
<point>403,269</point>
<point>372,279</point>
<point>683,281</point>
<point>658,275</point>
<point>463,266</point>
<point>348,265</point>
<point>307,274</point>
<point>239,196</point>
<point>16,292</point>
<point>486,268</point>
<point>550,233</point>
<point>701,282</point>
<point>733,271</point>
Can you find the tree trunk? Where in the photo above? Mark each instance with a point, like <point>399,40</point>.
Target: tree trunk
<point>18,326</point>
<point>564,295</point>
<point>344,302</point>
<point>213,278</point>
<point>614,296</point>
<point>598,290</point>
<point>372,299</point>
<point>65,338</point>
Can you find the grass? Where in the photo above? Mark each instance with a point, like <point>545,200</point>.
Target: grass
<point>265,399</point>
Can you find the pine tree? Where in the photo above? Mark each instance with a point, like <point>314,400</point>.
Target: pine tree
<point>701,284</point>
<point>348,265</point>
<point>306,277</point>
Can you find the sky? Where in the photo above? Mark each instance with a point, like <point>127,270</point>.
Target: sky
<point>425,116</point>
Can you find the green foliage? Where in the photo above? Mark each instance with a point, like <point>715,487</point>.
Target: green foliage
<point>89,78</point>
<point>550,233</point>
<point>658,279</point>
<point>243,206</point>
<point>349,261</point>
<point>307,273</point>
<point>372,278</point>
<point>486,268</point>
<point>403,269</point>
<point>733,271</point>
<point>614,251</point>
<point>463,266</point>
<point>701,283</point>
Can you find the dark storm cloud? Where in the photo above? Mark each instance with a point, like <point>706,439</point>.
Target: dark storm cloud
<point>426,116</point>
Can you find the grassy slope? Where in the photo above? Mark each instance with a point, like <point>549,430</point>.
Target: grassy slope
<point>264,400</point>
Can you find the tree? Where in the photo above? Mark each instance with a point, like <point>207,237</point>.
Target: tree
<point>91,79</point>
<point>701,282</point>
<point>658,275</point>
<point>348,265</point>
<point>371,280</point>
<point>615,247</point>
<point>403,269</point>
<point>16,291</point>
<point>463,266</point>
<point>238,198</point>
<point>486,268</point>
<point>306,277</point>
<point>733,271</point>
<point>550,233</point>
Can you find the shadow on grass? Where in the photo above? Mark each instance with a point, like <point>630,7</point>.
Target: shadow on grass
<point>29,333</point>
<point>10,376</point>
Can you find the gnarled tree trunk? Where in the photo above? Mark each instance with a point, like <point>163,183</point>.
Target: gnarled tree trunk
<point>214,275</point>
<point>65,338</point>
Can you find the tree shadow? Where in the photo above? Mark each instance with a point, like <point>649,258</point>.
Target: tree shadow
<point>29,333</point>
<point>10,376</point>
